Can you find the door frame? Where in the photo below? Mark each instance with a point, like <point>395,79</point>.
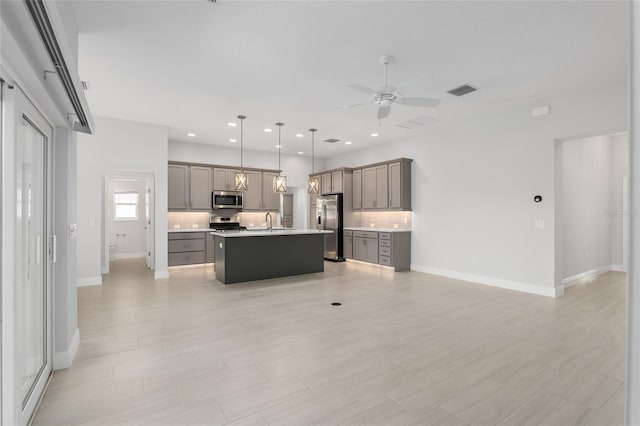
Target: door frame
<point>12,410</point>
<point>147,177</point>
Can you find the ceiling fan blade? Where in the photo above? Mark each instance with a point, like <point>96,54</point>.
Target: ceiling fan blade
<point>354,105</point>
<point>361,88</point>
<point>383,111</point>
<point>419,102</point>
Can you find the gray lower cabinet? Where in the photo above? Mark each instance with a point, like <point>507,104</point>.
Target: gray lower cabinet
<point>210,252</point>
<point>186,248</point>
<point>385,248</point>
<point>348,244</point>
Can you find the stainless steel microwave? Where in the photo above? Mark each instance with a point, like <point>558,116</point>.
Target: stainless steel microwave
<point>226,200</point>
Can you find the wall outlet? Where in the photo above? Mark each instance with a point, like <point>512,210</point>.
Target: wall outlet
<point>195,225</point>
<point>395,225</point>
<point>251,224</point>
<point>372,225</point>
<point>406,220</point>
<point>539,223</point>
<point>176,226</point>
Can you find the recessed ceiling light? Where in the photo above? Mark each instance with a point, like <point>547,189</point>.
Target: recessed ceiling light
<point>300,152</point>
<point>231,124</point>
<point>278,146</point>
<point>268,130</point>
<point>233,140</point>
<point>191,135</point>
<point>374,135</point>
<point>348,142</point>
<point>299,135</point>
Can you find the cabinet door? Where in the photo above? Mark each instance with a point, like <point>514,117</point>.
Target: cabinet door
<point>220,179</point>
<point>371,250</point>
<point>253,196</point>
<point>382,193</point>
<point>348,247</point>
<point>326,183</point>
<point>359,249</point>
<point>395,188</point>
<point>287,205</point>
<point>210,252</point>
<point>357,189</point>
<point>231,179</point>
<point>336,181</point>
<point>178,187</point>
<point>369,188</point>
<point>200,188</point>
<point>270,199</point>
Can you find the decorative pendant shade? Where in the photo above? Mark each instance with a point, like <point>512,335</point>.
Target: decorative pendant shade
<point>241,178</point>
<point>313,185</point>
<point>279,182</point>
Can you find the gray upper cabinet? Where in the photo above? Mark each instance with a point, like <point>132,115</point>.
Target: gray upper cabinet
<point>326,183</point>
<point>374,187</point>
<point>253,196</point>
<point>400,185</point>
<point>270,199</point>
<point>224,179</point>
<point>200,183</point>
<point>336,181</point>
<point>178,187</point>
<point>357,189</point>
<point>332,182</point>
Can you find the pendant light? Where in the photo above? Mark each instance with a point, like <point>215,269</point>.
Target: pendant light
<point>313,185</point>
<point>279,182</point>
<point>241,178</point>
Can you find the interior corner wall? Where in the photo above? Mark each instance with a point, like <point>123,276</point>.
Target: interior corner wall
<point>125,146</point>
<point>586,209</point>
<point>619,172</point>
<point>473,185</point>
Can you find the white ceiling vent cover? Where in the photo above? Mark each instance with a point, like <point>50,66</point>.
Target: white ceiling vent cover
<point>416,122</point>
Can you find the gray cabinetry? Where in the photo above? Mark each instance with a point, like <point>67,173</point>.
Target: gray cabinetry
<point>385,248</point>
<point>357,189</point>
<point>348,244</point>
<point>186,248</point>
<point>178,187</point>
<point>210,251</point>
<point>326,183</point>
<point>286,211</point>
<point>253,196</point>
<point>374,187</point>
<point>200,188</point>
<point>270,199</point>
<point>365,249</point>
<point>332,182</point>
<point>400,185</point>
<point>224,179</point>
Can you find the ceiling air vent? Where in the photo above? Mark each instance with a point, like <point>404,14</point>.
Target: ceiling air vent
<point>462,90</point>
<point>331,140</point>
<point>416,122</point>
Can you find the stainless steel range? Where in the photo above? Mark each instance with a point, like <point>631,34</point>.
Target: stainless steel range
<point>225,223</point>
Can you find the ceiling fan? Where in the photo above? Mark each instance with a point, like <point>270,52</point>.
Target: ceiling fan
<point>387,95</point>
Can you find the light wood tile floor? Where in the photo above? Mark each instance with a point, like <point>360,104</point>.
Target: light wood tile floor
<point>403,349</point>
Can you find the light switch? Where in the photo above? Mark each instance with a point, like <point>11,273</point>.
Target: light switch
<point>73,228</point>
<point>220,245</point>
<point>539,223</point>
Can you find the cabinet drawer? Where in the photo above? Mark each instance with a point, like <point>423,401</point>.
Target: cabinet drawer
<point>385,243</point>
<point>186,235</point>
<point>177,246</point>
<point>384,235</point>
<point>385,260</point>
<point>186,258</point>
<point>385,251</point>
<point>348,233</point>
<point>365,234</point>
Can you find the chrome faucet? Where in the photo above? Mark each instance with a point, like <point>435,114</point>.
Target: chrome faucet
<point>269,221</point>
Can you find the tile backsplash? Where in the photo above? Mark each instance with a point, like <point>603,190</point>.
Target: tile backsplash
<point>400,220</point>
<point>188,220</point>
<point>257,219</point>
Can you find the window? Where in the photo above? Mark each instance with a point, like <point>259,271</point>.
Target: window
<point>125,205</point>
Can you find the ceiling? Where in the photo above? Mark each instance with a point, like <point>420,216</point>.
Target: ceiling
<point>195,65</point>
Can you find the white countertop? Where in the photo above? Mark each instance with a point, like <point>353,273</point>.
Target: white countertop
<point>378,229</point>
<point>234,234</point>
<point>172,231</point>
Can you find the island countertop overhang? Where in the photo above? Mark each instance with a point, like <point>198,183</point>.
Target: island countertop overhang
<point>241,234</point>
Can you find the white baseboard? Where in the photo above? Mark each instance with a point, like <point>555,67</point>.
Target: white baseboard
<point>89,281</point>
<point>569,281</point>
<point>64,359</point>
<point>491,281</point>
<point>104,270</point>
<point>117,256</point>
<point>618,268</point>
<point>159,275</point>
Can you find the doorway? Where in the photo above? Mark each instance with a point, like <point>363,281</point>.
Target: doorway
<point>128,224</point>
<point>591,207</point>
<point>27,279</point>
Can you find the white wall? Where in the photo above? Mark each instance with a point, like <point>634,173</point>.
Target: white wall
<point>125,146</point>
<point>128,236</point>
<point>592,171</point>
<point>473,185</point>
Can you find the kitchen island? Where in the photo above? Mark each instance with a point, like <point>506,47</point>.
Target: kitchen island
<point>258,255</point>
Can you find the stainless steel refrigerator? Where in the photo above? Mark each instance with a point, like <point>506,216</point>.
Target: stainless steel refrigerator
<point>329,217</point>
